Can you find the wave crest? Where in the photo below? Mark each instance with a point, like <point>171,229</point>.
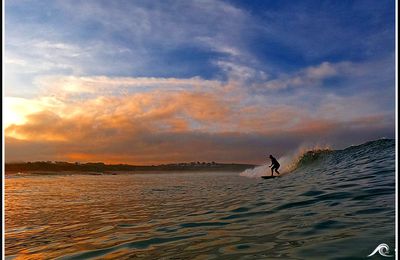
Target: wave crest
<point>302,157</point>
<point>310,157</point>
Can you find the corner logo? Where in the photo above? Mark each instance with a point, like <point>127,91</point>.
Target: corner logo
<point>382,249</point>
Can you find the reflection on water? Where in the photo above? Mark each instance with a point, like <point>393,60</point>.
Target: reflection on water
<point>199,216</point>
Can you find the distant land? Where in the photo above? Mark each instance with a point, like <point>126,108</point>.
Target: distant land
<point>99,167</point>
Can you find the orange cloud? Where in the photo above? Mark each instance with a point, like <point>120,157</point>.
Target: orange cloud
<point>159,125</point>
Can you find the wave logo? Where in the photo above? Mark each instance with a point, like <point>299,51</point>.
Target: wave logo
<point>382,249</point>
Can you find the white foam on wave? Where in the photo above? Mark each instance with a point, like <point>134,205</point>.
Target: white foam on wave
<point>256,172</point>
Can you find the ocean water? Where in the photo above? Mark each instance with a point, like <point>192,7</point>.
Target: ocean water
<point>334,205</point>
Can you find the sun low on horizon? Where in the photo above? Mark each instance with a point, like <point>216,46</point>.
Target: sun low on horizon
<point>148,82</point>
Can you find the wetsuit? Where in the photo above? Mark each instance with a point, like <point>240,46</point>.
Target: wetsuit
<point>275,165</point>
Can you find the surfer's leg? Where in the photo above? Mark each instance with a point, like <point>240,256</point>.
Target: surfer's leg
<point>276,169</point>
<point>272,171</point>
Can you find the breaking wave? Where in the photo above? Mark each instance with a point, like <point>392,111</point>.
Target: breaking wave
<point>314,158</point>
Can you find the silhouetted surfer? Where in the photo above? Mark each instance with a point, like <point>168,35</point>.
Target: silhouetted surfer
<point>275,165</point>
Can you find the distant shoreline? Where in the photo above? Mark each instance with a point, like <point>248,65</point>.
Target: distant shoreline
<point>51,168</point>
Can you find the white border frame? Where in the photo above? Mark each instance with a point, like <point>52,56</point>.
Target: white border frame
<point>396,135</point>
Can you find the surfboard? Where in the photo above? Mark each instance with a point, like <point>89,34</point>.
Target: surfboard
<point>269,177</point>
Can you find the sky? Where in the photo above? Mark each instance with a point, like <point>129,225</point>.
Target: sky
<point>151,82</point>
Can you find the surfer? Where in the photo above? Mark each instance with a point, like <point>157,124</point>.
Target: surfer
<point>275,165</point>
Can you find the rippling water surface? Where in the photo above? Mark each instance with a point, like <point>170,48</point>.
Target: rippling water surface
<point>339,208</point>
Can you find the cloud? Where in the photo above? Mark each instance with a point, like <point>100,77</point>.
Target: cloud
<point>126,39</point>
<point>310,76</point>
<point>100,85</point>
<point>208,39</point>
<point>162,125</point>
<point>135,82</point>
<point>151,146</point>
<point>241,73</point>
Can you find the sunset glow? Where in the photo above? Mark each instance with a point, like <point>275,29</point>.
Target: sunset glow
<point>223,81</point>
